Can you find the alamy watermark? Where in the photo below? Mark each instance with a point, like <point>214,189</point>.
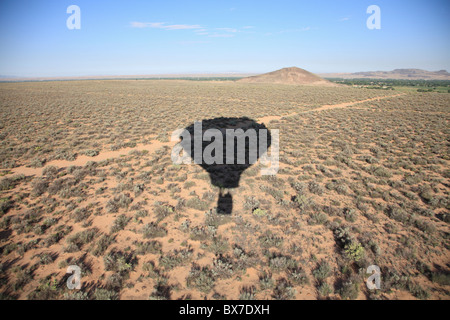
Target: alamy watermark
<point>74,20</point>
<point>240,147</point>
<point>374,281</point>
<point>74,281</point>
<point>374,21</point>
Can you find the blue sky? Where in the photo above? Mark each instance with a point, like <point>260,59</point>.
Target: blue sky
<point>166,37</point>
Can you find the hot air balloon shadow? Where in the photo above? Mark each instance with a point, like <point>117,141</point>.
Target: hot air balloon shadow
<point>223,175</point>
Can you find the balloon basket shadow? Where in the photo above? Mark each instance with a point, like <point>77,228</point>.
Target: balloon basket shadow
<point>225,203</point>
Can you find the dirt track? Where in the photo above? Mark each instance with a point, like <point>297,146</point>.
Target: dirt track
<point>327,107</point>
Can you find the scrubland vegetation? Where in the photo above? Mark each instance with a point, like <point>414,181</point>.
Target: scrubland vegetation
<point>441,86</point>
<point>87,180</point>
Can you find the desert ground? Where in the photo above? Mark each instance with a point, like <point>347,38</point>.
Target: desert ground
<point>87,179</point>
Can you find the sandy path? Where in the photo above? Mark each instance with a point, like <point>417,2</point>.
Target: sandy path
<point>349,104</point>
<point>83,160</point>
<point>267,119</point>
<point>155,144</point>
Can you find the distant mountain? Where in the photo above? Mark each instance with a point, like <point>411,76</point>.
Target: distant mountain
<point>404,74</point>
<point>291,75</point>
<point>7,77</point>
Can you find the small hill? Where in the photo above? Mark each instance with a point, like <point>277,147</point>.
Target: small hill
<point>293,75</point>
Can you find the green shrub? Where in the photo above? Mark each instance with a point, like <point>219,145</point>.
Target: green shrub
<point>163,210</point>
<point>201,278</point>
<point>303,202</point>
<point>283,290</point>
<point>354,251</point>
<point>161,291</point>
<point>247,293</point>
<point>91,153</point>
<point>152,247</point>
<point>269,240</point>
<point>78,240</point>
<point>5,205</point>
<point>417,291</point>
<point>76,295</point>
<point>259,212</point>
<point>265,280</point>
<point>175,258</point>
<point>103,294</point>
<point>119,261</point>
<point>102,244</point>
<point>297,275</point>
<point>349,290</point>
<point>121,201</point>
<point>315,188</point>
<point>324,289</point>
<point>222,267</point>
<point>197,203</point>
<point>218,245</point>
<point>120,223</point>
<point>39,187</point>
<point>202,232</point>
<point>322,271</point>
<point>152,230</point>
<point>280,262</point>
<point>47,290</point>
<point>251,203</point>
<point>441,278</point>
<point>317,218</point>
<point>215,219</point>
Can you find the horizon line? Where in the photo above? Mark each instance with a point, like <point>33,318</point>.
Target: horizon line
<point>231,74</point>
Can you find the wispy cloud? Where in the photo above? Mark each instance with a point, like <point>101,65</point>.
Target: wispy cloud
<point>221,35</point>
<point>199,30</point>
<point>344,19</point>
<point>233,30</point>
<point>193,42</point>
<point>163,25</point>
<point>304,29</point>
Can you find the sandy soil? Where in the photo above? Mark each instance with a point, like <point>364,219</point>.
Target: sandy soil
<point>320,243</point>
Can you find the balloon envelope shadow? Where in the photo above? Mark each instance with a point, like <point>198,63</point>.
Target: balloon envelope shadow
<point>226,175</point>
